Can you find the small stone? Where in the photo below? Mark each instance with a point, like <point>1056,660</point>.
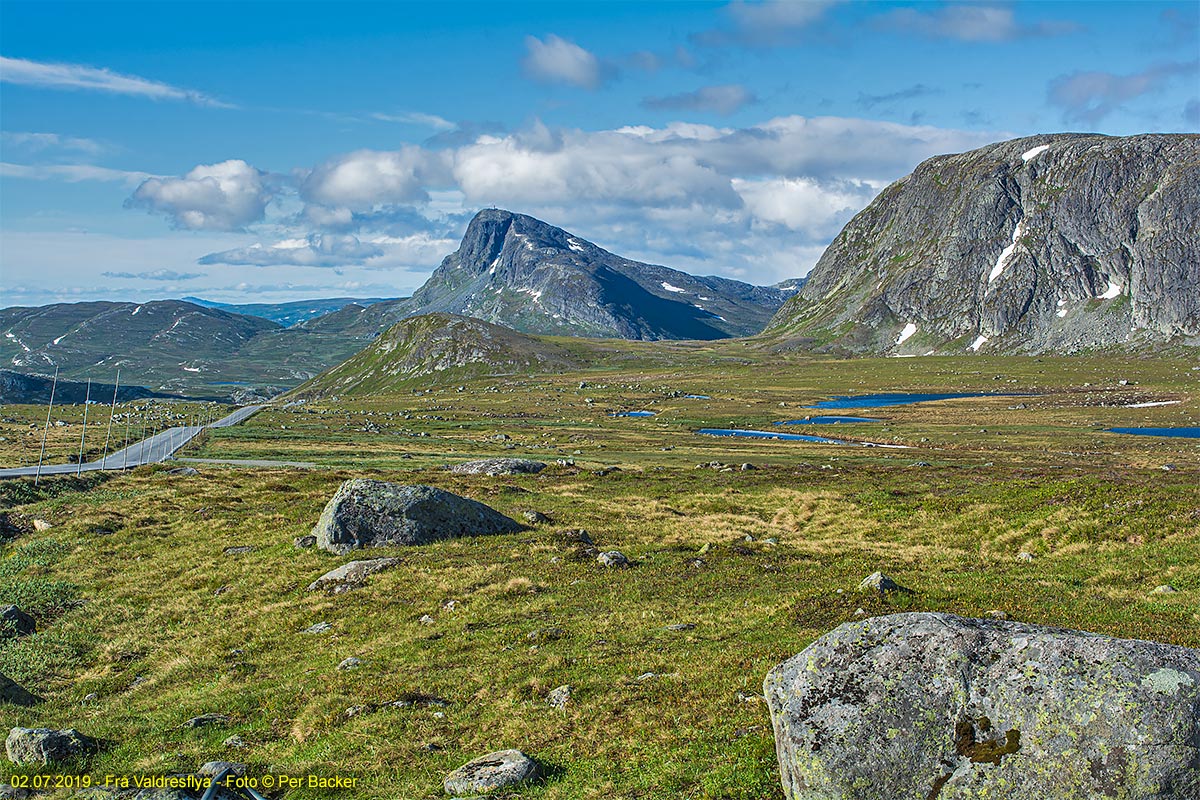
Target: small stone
<point>860,612</point>
<point>305,541</point>
<point>204,720</point>
<point>212,769</point>
<point>14,622</point>
<point>235,742</point>
<point>576,536</point>
<point>536,517</point>
<point>352,575</point>
<point>560,696</point>
<point>614,559</point>
<point>645,676</point>
<point>184,472</point>
<point>681,626</point>
<point>882,584</point>
<point>1166,588</point>
<point>425,619</point>
<point>747,467</point>
<point>494,771</point>
<point>238,550</point>
<point>350,663</point>
<point>1025,555</point>
<point>319,627</point>
<point>42,525</point>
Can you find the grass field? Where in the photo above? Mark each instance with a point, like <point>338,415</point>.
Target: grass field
<point>145,621</point>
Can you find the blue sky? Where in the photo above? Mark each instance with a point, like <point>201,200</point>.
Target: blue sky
<point>281,150</point>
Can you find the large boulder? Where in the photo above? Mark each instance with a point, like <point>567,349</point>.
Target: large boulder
<point>499,466</point>
<point>940,706</point>
<point>47,746</point>
<point>366,513</point>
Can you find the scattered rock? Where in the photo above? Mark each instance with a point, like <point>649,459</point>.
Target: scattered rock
<point>499,466</point>
<point>536,517</point>
<point>1006,711</point>
<point>8,792</point>
<point>560,696</point>
<point>681,626</point>
<point>425,619</point>
<point>576,536</point>
<point>42,525</point>
<point>305,541</point>
<point>184,472</point>
<point>204,720</point>
<point>367,513</point>
<point>240,549</point>
<point>352,575</point>
<point>318,627</point>
<point>497,770</point>
<point>412,699</point>
<point>747,467</point>
<point>350,663</point>
<point>235,742</point>
<point>14,622</point>
<point>613,558</point>
<point>546,634</point>
<point>1166,588</point>
<point>878,582</point>
<point>47,746</point>
<point>212,769</point>
<point>13,693</point>
<point>1025,555</point>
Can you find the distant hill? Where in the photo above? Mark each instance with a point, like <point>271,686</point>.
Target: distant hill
<point>525,274</point>
<point>18,388</point>
<point>1054,243</point>
<point>166,345</point>
<point>438,347</point>
<point>288,314</point>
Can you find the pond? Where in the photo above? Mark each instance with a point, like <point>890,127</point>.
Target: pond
<point>634,414</point>
<point>901,399</point>
<point>787,437</point>
<point>1176,433</point>
<point>827,421</point>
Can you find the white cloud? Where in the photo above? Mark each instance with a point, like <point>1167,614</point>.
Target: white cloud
<point>80,77</point>
<point>225,197</point>
<point>767,23</point>
<point>717,99</point>
<point>818,209</point>
<point>367,177</point>
<point>71,173</point>
<point>48,141</point>
<point>155,275</point>
<point>1091,96</point>
<point>971,23</point>
<point>557,60</point>
<point>333,250</point>
<point>417,118</point>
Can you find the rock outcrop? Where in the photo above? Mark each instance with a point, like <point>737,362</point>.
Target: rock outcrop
<point>494,771</point>
<point>14,622</point>
<point>46,746</point>
<point>367,513</point>
<point>1052,243</point>
<point>939,706</point>
<point>499,466</point>
<point>15,694</point>
<point>525,274</point>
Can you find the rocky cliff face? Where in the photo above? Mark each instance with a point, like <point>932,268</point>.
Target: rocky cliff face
<point>517,271</point>
<point>1053,243</point>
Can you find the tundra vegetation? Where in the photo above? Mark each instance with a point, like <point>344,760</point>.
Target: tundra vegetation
<point>147,620</point>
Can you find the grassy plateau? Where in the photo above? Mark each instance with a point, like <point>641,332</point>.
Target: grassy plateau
<point>145,621</point>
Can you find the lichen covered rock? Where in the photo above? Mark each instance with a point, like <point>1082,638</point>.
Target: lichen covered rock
<point>940,706</point>
<point>366,513</point>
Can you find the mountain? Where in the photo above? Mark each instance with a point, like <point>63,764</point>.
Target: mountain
<point>166,345</point>
<point>288,314</point>
<point>18,388</point>
<point>1052,243</point>
<point>525,274</point>
<point>439,346</point>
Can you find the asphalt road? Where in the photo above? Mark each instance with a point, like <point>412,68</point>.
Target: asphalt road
<point>151,450</point>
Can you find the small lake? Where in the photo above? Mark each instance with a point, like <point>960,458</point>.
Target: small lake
<point>696,397</point>
<point>827,421</point>
<point>634,414</point>
<point>1175,433</point>
<point>901,399</point>
<point>787,437</point>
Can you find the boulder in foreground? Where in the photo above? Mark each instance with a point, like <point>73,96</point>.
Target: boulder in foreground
<point>47,746</point>
<point>16,694</point>
<point>494,771</point>
<point>940,706</point>
<point>367,513</point>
